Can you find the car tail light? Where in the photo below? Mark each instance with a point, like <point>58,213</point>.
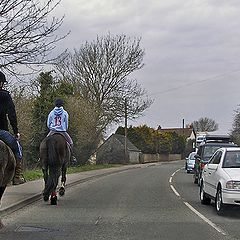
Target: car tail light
<point>233,185</point>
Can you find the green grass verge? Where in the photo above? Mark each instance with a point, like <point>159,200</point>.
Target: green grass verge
<point>31,175</point>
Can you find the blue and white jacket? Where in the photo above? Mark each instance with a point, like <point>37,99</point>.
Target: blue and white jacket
<point>58,120</point>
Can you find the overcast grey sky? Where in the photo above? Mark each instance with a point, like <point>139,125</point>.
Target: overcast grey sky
<point>192,61</point>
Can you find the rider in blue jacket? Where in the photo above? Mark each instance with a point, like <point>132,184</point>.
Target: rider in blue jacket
<point>58,121</point>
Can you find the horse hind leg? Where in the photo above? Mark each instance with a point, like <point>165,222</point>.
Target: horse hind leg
<point>53,199</point>
<point>62,190</point>
<point>55,176</point>
<point>2,189</point>
<point>63,181</point>
<point>45,176</point>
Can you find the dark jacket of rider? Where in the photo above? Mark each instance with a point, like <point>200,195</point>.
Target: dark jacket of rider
<point>7,110</point>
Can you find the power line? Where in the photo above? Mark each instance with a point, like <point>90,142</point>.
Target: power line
<point>194,83</point>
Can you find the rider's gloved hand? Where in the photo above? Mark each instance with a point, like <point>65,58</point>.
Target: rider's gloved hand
<point>18,136</point>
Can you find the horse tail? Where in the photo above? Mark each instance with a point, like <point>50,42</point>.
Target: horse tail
<point>53,166</point>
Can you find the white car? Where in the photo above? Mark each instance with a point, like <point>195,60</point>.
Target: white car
<point>221,179</point>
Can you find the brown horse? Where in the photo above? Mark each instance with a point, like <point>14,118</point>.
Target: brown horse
<point>54,156</point>
<point>7,169</point>
<point>7,166</point>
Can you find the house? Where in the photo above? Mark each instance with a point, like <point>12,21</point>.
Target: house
<point>188,132</point>
<point>113,151</point>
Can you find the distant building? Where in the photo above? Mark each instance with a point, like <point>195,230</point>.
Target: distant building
<point>113,151</point>
<point>188,132</point>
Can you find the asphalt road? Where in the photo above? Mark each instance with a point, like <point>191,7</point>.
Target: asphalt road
<point>156,201</point>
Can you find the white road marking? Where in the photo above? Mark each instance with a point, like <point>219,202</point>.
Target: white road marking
<point>174,190</point>
<point>175,172</point>
<point>205,219</point>
<point>209,222</point>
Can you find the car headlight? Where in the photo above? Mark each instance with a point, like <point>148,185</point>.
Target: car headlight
<point>233,185</point>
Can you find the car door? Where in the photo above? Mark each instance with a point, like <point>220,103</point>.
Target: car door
<point>210,173</point>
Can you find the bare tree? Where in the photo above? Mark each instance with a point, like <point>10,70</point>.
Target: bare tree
<point>27,32</point>
<point>99,70</point>
<point>235,132</point>
<point>82,127</point>
<point>205,125</point>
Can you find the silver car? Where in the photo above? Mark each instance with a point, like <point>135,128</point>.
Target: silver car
<point>190,162</point>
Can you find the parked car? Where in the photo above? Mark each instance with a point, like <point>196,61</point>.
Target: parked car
<point>221,179</point>
<point>190,162</point>
<point>205,151</point>
<point>201,136</point>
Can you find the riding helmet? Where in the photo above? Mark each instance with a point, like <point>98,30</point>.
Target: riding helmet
<point>59,102</point>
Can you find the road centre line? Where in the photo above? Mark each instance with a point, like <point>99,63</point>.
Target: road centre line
<point>170,179</point>
<point>174,190</point>
<point>205,219</point>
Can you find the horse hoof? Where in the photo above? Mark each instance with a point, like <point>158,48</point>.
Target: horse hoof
<point>45,198</point>
<point>61,191</point>
<point>54,200</point>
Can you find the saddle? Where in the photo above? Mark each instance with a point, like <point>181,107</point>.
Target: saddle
<point>62,134</point>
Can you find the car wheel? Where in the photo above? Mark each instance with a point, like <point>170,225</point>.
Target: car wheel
<point>199,181</point>
<point>199,178</point>
<point>220,206</point>
<point>195,180</point>
<point>188,171</point>
<point>203,197</point>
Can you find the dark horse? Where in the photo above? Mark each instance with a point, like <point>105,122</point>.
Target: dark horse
<point>54,156</point>
<point>7,169</point>
<point>7,166</point>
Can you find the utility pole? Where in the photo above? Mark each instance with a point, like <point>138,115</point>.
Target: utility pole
<point>125,142</point>
<point>183,125</point>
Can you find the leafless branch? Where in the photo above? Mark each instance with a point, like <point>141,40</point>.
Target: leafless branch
<point>27,33</point>
<point>99,70</point>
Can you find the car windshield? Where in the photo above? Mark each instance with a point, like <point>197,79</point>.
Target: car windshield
<point>232,159</point>
<point>209,151</point>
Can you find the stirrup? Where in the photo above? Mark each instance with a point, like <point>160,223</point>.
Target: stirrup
<point>18,181</point>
